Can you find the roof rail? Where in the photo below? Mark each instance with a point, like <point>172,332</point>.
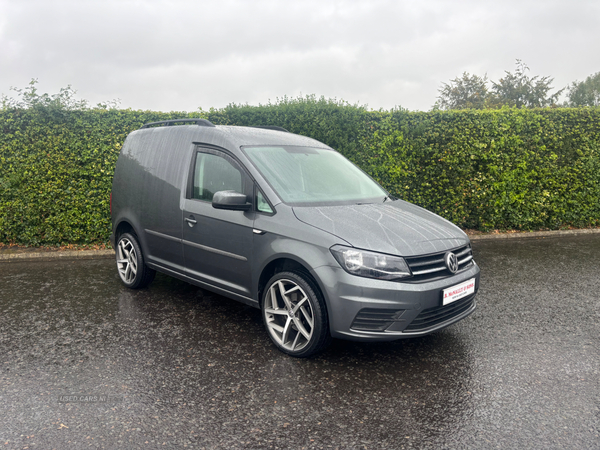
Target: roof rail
<point>271,127</point>
<point>168,123</point>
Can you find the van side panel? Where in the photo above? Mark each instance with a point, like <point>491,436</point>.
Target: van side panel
<point>148,181</point>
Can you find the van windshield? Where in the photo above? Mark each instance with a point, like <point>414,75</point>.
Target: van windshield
<point>306,175</point>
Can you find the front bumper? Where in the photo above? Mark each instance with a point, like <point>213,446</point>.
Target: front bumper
<point>365,309</point>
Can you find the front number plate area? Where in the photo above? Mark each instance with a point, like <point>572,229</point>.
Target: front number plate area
<point>458,291</point>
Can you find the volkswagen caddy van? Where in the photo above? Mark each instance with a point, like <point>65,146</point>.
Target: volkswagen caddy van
<point>286,224</point>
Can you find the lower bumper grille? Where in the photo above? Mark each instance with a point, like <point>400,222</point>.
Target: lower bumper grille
<point>431,317</point>
<point>371,319</point>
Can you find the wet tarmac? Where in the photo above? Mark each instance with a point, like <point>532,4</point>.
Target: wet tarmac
<point>86,363</point>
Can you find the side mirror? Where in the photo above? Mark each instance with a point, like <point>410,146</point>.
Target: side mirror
<point>230,200</point>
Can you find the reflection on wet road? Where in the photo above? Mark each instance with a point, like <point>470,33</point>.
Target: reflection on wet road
<point>87,363</point>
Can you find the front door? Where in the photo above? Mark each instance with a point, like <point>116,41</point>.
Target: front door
<point>217,243</point>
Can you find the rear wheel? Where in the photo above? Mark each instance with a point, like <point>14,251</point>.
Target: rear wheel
<point>130,263</point>
<point>294,315</point>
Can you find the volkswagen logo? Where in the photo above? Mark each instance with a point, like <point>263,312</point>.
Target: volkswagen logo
<point>451,262</point>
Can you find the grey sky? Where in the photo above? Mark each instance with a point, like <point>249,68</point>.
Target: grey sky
<point>181,55</point>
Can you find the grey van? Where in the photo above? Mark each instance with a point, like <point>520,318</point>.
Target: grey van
<point>286,224</point>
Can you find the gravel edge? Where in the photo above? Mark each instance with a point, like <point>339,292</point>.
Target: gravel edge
<point>61,254</point>
<point>102,254</point>
<point>533,234</point>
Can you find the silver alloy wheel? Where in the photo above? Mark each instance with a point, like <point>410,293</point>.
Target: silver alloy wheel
<point>289,315</point>
<point>126,260</point>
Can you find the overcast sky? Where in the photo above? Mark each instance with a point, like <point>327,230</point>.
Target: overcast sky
<point>180,55</point>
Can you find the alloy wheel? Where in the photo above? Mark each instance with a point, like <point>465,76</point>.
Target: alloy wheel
<point>126,261</point>
<point>289,315</point>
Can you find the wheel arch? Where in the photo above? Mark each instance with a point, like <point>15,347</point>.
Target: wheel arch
<point>287,264</point>
<point>124,227</point>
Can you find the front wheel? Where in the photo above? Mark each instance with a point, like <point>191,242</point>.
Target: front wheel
<point>130,263</point>
<point>295,315</point>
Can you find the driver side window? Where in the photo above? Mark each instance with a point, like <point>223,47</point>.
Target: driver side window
<point>213,173</point>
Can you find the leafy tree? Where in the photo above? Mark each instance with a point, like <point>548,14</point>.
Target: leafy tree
<point>514,89</point>
<point>585,93</point>
<point>518,89</point>
<point>29,98</point>
<point>466,92</point>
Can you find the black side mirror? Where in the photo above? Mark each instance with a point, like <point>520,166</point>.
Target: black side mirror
<point>230,200</point>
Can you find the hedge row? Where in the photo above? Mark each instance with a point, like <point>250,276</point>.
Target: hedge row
<point>56,170</point>
<point>507,169</point>
<point>484,169</point>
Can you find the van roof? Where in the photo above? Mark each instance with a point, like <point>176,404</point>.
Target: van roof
<point>202,131</point>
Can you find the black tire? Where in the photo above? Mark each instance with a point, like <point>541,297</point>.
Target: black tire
<point>131,266</point>
<point>296,322</point>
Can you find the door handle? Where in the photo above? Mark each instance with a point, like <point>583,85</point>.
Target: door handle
<point>191,221</point>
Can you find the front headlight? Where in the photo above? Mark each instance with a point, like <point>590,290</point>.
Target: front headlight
<point>370,264</point>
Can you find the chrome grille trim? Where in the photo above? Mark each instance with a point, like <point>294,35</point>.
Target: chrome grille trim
<point>423,272</point>
<point>427,267</point>
<point>467,259</point>
<point>464,252</point>
<point>426,263</point>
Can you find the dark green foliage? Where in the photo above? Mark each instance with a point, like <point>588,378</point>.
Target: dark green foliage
<point>519,90</point>
<point>56,169</point>
<point>485,169</point>
<point>334,122</point>
<point>466,92</point>
<point>506,169</point>
<point>513,90</point>
<point>585,93</point>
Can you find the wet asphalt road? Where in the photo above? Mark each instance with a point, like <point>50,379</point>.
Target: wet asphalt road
<point>181,367</point>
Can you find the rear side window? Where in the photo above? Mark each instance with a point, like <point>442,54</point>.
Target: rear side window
<point>213,173</point>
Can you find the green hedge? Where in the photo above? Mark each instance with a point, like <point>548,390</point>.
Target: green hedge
<point>506,169</point>
<point>56,170</point>
<point>484,169</point>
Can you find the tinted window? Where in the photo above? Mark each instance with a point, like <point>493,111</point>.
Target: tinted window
<point>214,173</point>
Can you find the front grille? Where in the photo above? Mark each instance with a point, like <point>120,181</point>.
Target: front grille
<point>431,267</point>
<point>370,319</point>
<point>431,317</point>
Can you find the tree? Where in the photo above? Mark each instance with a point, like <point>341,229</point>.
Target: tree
<point>517,89</point>
<point>514,89</point>
<point>467,92</point>
<point>585,93</point>
<point>65,100</point>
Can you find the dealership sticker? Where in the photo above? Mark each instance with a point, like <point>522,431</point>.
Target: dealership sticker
<point>459,291</point>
